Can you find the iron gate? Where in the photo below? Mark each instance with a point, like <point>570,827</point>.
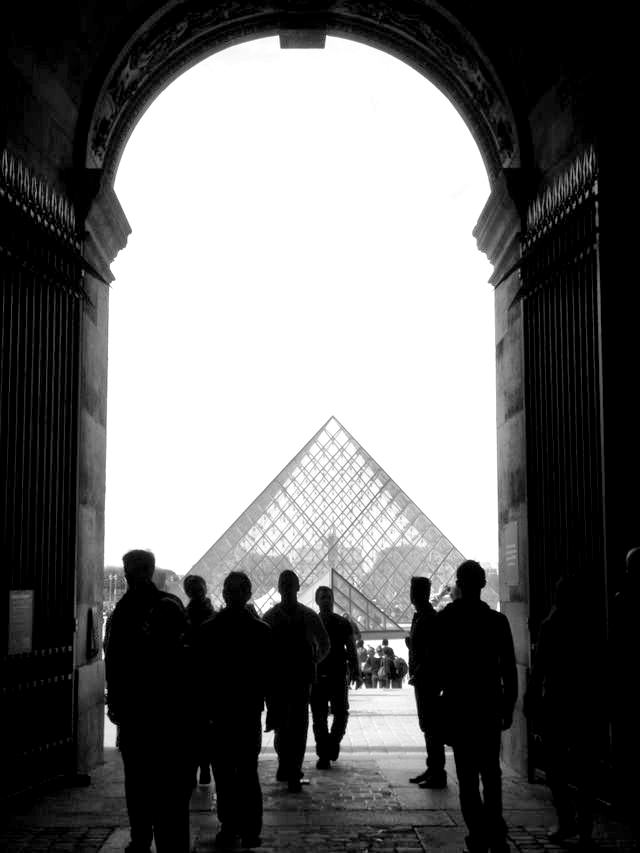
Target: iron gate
<point>41,276</point>
<point>561,319</point>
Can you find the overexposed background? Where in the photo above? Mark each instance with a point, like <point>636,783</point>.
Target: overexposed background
<point>301,248</point>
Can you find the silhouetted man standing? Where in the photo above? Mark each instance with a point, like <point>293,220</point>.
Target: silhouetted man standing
<point>149,683</point>
<point>300,642</point>
<point>474,665</point>
<point>331,689</point>
<point>234,713</point>
<point>420,643</point>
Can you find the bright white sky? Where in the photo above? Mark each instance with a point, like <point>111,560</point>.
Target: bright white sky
<point>301,248</point>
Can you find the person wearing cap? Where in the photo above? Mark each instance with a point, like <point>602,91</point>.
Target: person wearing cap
<point>420,644</point>
<point>300,643</point>
<point>475,671</point>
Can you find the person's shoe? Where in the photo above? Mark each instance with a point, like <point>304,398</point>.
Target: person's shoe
<point>476,845</point>
<point>562,832</point>
<point>323,764</point>
<point>248,842</point>
<point>415,780</point>
<point>225,840</point>
<point>434,781</point>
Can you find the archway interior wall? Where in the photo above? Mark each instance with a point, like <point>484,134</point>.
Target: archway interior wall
<point>48,115</point>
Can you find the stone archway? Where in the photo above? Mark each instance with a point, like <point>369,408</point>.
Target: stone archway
<point>430,41</point>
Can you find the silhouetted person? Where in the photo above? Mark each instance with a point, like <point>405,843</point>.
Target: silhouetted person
<point>566,688</point>
<point>475,667</point>
<point>234,714</point>
<point>624,658</point>
<point>420,643</point>
<point>199,609</point>
<point>331,688</point>
<point>300,643</point>
<point>369,668</point>
<point>149,684</point>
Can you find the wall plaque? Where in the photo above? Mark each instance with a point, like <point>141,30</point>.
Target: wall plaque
<point>20,621</point>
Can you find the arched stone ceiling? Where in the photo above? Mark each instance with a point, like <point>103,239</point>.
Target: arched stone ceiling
<point>181,34</point>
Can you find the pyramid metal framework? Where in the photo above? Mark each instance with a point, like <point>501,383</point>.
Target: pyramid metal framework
<point>336,518</point>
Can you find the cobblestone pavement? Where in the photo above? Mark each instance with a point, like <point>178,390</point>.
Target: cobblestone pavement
<point>363,804</point>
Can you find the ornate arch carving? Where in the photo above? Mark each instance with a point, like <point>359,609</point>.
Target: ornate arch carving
<point>419,33</point>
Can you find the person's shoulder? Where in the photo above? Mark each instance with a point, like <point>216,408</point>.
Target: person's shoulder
<point>271,613</point>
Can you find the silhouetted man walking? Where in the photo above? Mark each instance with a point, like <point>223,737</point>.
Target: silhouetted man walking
<point>420,643</point>
<point>300,642</point>
<point>474,665</point>
<point>234,712</point>
<point>149,682</point>
<point>331,689</point>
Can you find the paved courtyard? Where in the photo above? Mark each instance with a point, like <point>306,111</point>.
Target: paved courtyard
<point>364,803</point>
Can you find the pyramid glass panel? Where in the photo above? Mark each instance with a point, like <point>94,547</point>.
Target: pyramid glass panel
<point>336,518</point>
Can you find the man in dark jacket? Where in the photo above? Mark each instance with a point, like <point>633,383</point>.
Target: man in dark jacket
<point>300,643</point>
<point>149,682</point>
<point>475,668</point>
<point>234,713</point>
<point>331,689</point>
<point>420,643</point>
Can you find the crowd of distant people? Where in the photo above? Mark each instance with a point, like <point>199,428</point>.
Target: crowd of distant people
<point>165,660</point>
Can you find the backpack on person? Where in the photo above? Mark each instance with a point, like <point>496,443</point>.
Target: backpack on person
<point>401,667</point>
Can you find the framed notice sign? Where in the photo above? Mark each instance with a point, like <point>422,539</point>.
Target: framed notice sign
<point>20,621</point>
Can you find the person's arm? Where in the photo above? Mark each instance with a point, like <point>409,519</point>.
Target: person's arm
<point>352,656</point>
<point>318,635</point>
<point>509,673</point>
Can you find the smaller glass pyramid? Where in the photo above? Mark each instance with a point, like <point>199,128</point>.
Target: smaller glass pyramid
<point>337,519</point>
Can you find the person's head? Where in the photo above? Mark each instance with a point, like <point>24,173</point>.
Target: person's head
<point>360,644</point>
<point>324,599</point>
<point>195,587</point>
<point>419,591</point>
<point>236,589</point>
<point>139,567</point>
<point>385,642</point>
<point>470,579</point>
<point>288,584</point>
<point>388,651</point>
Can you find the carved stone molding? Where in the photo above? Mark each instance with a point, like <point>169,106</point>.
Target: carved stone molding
<point>502,221</point>
<point>423,35</point>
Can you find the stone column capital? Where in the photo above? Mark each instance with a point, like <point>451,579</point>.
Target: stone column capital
<point>105,223</point>
<point>502,219</point>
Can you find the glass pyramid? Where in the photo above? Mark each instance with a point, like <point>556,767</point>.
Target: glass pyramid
<point>336,518</point>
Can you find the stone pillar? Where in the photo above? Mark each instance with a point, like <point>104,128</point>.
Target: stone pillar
<point>498,235</point>
<point>106,230</point>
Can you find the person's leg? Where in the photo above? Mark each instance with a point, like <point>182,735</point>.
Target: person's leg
<point>137,787</point>
<point>339,699</point>
<point>225,744</point>
<point>471,805</point>
<point>298,727</point>
<point>491,774</point>
<point>320,714</point>
<point>248,793</point>
<point>555,740</point>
